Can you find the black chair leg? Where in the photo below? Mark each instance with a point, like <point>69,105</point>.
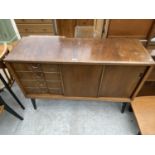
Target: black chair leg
<point>10,110</point>
<point>34,103</point>
<point>130,109</point>
<point>123,107</point>
<point>11,92</point>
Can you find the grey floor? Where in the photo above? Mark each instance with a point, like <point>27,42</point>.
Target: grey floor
<point>63,117</point>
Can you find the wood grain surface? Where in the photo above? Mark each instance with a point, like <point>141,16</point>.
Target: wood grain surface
<point>86,51</point>
<point>144,110</point>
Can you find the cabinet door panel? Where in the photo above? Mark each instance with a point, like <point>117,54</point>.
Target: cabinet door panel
<point>81,80</point>
<point>120,81</point>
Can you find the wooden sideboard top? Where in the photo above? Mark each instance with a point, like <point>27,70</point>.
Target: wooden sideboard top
<point>73,50</point>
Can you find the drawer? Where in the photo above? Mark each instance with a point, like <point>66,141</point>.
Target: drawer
<point>33,21</point>
<point>27,67</point>
<point>55,91</point>
<point>35,83</point>
<point>50,68</point>
<point>33,90</point>
<point>35,67</point>
<point>38,75</point>
<point>151,76</point>
<point>52,76</point>
<point>41,83</point>
<point>30,75</point>
<point>26,28</point>
<point>55,84</point>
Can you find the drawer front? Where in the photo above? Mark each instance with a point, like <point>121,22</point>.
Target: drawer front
<point>41,83</point>
<point>55,76</point>
<point>39,78</point>
<point>33,90</point>
<point>50,68</point>
<point>44,28</point>
<point>52,76</point>
<point>35,83</point>
<point>55,91</point>
<point>34,21</point>
<point>27,67</point>
<point>53,84</point>
<point>35,67</point>
<point>30,75</point>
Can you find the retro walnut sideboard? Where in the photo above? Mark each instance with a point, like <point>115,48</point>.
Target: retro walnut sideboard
<point>71,68</point>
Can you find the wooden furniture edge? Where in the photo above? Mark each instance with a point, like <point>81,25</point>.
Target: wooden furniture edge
<point>49,96</point>
<point>117,63</point>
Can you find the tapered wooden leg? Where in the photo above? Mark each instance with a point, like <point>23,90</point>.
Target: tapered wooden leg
<point>139,133</point>
<point>123,107</point>
<point>34,103</point>
<point>11,92</point>
<point>10,110</point>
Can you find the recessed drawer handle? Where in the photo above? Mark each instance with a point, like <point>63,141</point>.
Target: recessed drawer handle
<point>35,67</point>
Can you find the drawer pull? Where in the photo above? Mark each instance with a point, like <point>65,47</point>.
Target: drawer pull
<point>34,67</point>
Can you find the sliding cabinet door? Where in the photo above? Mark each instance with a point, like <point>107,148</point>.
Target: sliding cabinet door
<point>81,80</point>
<point>120,81</point>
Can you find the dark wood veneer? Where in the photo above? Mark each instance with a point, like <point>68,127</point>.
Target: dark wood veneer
<point>57,67</point>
